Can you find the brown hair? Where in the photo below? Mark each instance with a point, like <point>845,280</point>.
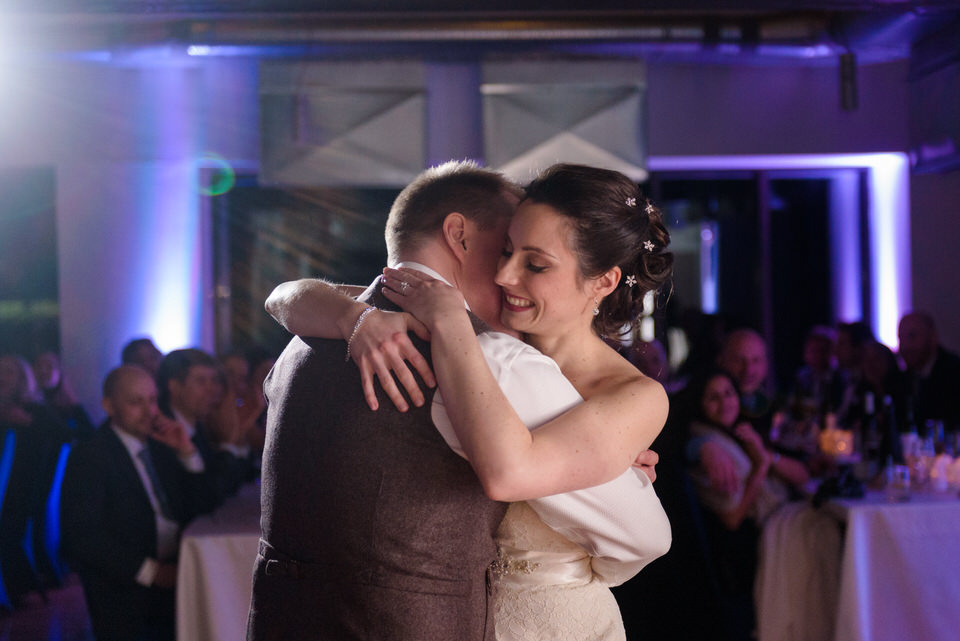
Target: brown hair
<point>482,195</point>
<point>176,366</point>
<point>613,226</point>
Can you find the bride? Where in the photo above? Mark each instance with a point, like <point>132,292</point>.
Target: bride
<point>582,250</point>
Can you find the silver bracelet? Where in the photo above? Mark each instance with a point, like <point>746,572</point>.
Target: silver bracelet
<point>356,326</point>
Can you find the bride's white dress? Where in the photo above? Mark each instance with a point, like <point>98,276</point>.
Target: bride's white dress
<point>546,587</point>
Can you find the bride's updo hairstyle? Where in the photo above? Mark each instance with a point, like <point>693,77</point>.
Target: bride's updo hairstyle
<point>613,226</point>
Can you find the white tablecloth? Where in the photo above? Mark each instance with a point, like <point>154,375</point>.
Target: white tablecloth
<point>798,577</point>
<point>897,579</point>
<point>215,572</point>
<point>901,570</point>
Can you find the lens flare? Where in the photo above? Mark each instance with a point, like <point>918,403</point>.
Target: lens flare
<point>214,174</point>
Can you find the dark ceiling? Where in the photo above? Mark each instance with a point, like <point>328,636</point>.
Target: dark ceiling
<point>196,7</point>
<point>875,30</point>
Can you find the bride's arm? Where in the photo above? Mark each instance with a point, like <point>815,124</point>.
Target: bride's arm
<point>378,340</point>
<point>589,444</point>
<point>313,307</point>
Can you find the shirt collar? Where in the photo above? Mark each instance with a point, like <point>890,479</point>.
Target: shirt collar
<point>429,271</point>
<point>133,444</point>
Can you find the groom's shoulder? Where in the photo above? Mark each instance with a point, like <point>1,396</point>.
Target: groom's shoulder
<point>309,353</point>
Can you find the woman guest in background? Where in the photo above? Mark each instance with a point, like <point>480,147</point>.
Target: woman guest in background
<point>582,250</point>
<point>762,482</point>
<point>236,415</point>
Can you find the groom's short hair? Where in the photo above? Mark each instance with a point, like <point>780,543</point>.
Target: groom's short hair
<point>482,195</point>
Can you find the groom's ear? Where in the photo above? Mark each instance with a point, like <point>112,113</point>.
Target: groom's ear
<point>455,234</point>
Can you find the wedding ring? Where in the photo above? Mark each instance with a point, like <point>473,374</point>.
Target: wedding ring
<point>403,287</point>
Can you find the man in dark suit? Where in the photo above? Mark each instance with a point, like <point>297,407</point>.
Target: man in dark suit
<point>934,372</point>
<point>127,492</point>
<point>187,380</point>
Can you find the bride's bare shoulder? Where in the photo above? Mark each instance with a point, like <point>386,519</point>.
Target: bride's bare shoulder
<point>623,380</point>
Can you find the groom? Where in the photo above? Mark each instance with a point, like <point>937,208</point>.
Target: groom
<point>372,528</point>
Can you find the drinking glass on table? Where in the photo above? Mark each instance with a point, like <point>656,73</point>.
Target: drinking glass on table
<point>898,482</point>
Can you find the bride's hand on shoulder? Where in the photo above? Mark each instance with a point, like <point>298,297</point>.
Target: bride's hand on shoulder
<point>430,300</point>
<point>380,345</point>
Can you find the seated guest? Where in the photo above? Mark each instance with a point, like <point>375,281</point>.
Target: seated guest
<point>851,337</point>
<point>241,403</point>
<point>188,392</point>
<point>238,377</point>
<point>236,373</point>
<point>933,372</point>
<point>744,355</point>
<point>58,396</point>
<point>142,352</point>
<point>817,391</point>
<point>818,385</point>
<point>38,436</point>
<point>763,475</point>
<point>127,493</point>
<point>879,375</point>
<point>762,481</point>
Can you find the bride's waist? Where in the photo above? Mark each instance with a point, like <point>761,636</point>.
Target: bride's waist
<point>541,567</point>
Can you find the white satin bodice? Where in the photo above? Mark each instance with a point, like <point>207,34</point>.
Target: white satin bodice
<point>546,589</point>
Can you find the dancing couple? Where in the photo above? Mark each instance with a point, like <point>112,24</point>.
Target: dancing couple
<point>504,503</point>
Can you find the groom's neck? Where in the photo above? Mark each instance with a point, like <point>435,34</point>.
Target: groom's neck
<point>435,259</point>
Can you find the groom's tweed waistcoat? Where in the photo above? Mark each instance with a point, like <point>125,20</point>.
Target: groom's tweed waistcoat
<point>372,527</point>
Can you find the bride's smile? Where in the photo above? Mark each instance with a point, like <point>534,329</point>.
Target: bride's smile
<point>543,290</point>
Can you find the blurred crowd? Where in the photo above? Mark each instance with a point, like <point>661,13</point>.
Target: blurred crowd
<point>183,432</point>
<point>738,446</point>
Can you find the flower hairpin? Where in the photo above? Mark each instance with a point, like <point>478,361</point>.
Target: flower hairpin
<point>648,245</point>
<point>631,202</point>
<point>631,280</point>
<point>650,208</point>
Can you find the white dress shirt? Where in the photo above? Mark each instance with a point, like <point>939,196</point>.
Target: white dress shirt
<point>621,523</point>
<point>168,532</point>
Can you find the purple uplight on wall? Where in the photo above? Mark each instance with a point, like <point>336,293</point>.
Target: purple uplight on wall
<point>888,226</point>
<point>172,259</point>
<point>890,242</point>
<point>844,225</point>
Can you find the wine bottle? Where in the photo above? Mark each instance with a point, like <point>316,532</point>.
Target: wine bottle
<point>890,439</point>
<point>870,429</point>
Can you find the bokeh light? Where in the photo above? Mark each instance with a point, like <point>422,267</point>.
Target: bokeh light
<point>214,174</point>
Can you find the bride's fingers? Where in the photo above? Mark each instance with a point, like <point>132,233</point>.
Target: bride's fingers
<point>366,381</point>
<point>415,358</point>
<point>392,295</point>
<point>389,385</point>
<point>409,383</point>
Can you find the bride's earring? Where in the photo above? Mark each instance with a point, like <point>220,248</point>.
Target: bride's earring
<point>596,307</point>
